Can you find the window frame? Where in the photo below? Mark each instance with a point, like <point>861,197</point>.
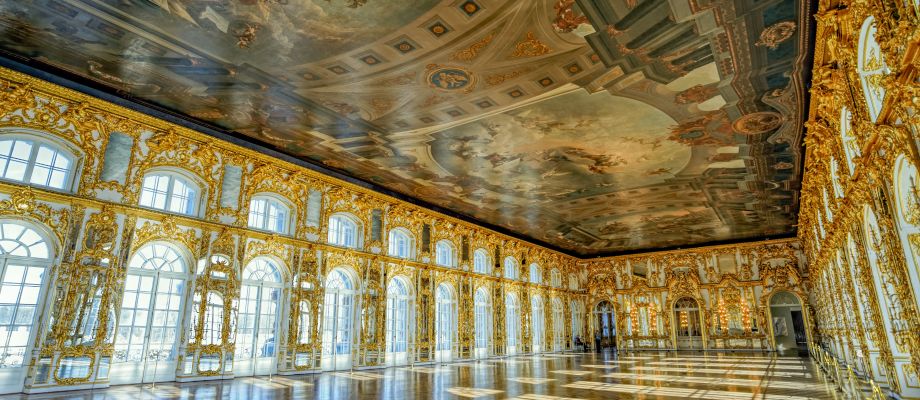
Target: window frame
<point>36,142</point>
<point>270,200</point>
<point>536,274</point>
<point>452,253</point>
<point>27,262</point>
<point>511,268</point>
<point>198,193</point>
<point>340,236</point>
<point>392,243</point>
<point>150,254</point>
<point>485,267</point>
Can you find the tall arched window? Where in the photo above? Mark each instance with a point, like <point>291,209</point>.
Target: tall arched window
<point>536,274</point>
<point>401,243</point>
<point>511,268</point>
<point>338,320</point>
<point>445,322</point>
<point>558,325</point>
<point>36,162</point>
<point>483,316</point>
<point>538,323</point>
<point>257,319</point>
<point>397,322</point>
<point>445,254</point>
<point>481,262</point>
<point>269,214</point>
<point>170,192</point>
<point>343,231</point>
<point>872,68</point>
<point>24,259</point>
<point>151,315</point>
<point>605,323</point>
<point>512,323</point>
<point>578,316</point>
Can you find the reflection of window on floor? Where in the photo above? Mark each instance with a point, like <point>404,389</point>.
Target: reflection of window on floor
<point>471,392</point>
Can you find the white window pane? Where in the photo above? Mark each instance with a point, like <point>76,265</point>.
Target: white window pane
<point>45,155</point>
<point>159,201</point>
<point>29,295</point>
<point>150,182</point>
<point>34,275</point>
<point>146,198</point>
<point>16,170</point>
<point>9,294</point>
<point>161,183</point>
<point>58,179</point>
<point>12,231</point>
<point>14,274</point>
<point>40,175</point>
<point>61,162</point>
<point>22,150</point>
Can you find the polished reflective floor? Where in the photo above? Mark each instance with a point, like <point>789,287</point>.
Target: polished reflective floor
<point>608,375</point>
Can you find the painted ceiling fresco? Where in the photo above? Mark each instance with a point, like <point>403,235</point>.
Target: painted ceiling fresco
<point>596,126</point>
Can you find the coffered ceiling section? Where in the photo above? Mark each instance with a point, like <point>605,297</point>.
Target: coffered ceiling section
<point>598,126</point>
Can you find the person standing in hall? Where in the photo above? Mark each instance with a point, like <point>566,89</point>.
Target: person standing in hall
<point>597,342</point>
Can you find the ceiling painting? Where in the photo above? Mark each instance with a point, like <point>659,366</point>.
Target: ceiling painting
<point>596,126</point>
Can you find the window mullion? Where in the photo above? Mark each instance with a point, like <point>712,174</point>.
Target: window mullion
<point>151,311</point>
<point>169,190</point>
<point>30,164</point>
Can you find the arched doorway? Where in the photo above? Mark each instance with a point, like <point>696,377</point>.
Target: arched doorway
<point>151,315</point>
<point>257,320</point>
<point>537,322</point>
<point>578,317</point>
<point>787,323</point>
<point>688,325</point>
<point>397,322</point>
<point>445,322</point>
<point>605,327</point>
<point>512,323</point>
<point>483,315</point>
<point>338,320</point>
<point>25,256</point>
<point>558,325</point>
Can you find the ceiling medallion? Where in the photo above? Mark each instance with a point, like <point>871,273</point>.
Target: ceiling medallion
<point>759,122</point>
<point>775,34</point>
<point>449,78</point>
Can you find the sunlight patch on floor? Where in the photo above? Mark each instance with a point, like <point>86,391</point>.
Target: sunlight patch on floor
<point>572,372</point>
<point>535,396</point>
<point>718,381</point>
<point>472,393</point>
<point>724,371</point>
<point>358,376</point>
<point>679,392</point>
<point>731,365</point>
<point>531,381</point>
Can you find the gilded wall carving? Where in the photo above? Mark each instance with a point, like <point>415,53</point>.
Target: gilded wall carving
<point>97,228</point>
<point>859,198</point>
<point>731,287</point>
